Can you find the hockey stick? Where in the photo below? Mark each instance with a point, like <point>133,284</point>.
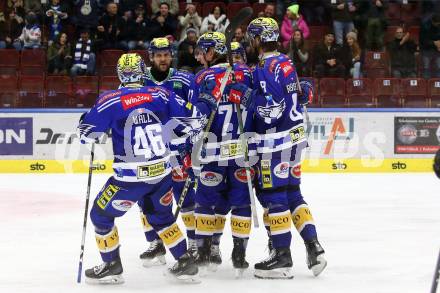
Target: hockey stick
<point>241,16</point>
<point>86,211</point>
<point>435,281</point>
<point>244,147</point>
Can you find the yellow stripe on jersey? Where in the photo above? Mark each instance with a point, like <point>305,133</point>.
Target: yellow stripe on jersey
<point>189,220</point>
<point>280,222</point>
<point>108,242</point>
<point>301,217</point>
<point>171,235</point>
<point>240,226</point>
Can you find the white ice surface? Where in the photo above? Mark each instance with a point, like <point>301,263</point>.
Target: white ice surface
<point>381,234</point>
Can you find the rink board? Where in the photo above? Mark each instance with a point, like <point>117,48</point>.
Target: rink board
<point>340,140</point>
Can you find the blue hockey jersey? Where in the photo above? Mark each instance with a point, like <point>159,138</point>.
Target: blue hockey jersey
<point>223,143</point>
<point>177,81</point>
<point>278,115</point>
<point>142,121</point>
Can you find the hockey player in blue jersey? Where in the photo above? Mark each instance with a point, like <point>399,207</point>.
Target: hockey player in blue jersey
<point>278,122</point>
<point>222,206</point>
<point>220,173</point>
<point>181,83</point>
<point>138,118</point>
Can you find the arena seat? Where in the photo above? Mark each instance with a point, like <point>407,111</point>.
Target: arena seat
<point>376,64</point>
<point>33,61</point>
<point>234,7</point>
<point>85,90</point>
<point>208,6</point>
<point>332,92</point>
<point>9,61</point>
<point>9,90</point>
<point>107,83</point>
<point>393,13</point>
<point>410,13</point>
<point>107,61</point>
<point>31,91</point>
<point>414,32</point>
<point>360,92</point>
<point>414,93</point>
<point>58,91</point>
<point>387,92</point>
<point>434,92</point>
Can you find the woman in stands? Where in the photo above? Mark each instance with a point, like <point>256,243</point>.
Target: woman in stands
<point>299,53</point>
<point>216,21</point>
<point>59,56</point>
<point>353,56</point>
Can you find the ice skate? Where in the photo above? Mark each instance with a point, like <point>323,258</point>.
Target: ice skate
<point>203,255</point>
<point>215,258</point>
<point>315,257</point>
<point>155,254</point>
<point>239,257</point>
<point>185,269</point>
<point>277,266</point>
<point>106,273</point>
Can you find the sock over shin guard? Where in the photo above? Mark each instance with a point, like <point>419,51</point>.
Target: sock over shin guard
<point>150,234</point>
<point>173,239</point>
<point>280,225</point>
<point>108,243</point>
<point>190,223</point>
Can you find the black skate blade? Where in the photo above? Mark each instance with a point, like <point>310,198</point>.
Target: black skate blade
<point>154,262</point>
<point>109,280</point>
<point>281,273</point>
<point>318,268</point>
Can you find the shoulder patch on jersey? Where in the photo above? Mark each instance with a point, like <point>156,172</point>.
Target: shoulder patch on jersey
<point>135,99</point>
<point>107,95</point>
<point>287,68</point>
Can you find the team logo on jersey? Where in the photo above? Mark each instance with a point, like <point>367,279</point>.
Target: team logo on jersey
<point>273,111</point>
<point>178,175</point>
<point>282,170</point>
<point>167,198</point>
<point>135,99</point>
<point>150,171</point>
<point>106,195</point>
<point>122,205</point>
<point>240,174</point>
<point>193,125</point>
<point>287,68</point>
<point>177,85</point>
<point>296,171</point>
<point>209,178</point>
<point>297,134</point>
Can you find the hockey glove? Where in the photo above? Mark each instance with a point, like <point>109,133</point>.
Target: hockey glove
<point>239,93</point>
<point>307,92</point>
<point>210,94</point>
<point>185,159</point>
<point>437,164</point>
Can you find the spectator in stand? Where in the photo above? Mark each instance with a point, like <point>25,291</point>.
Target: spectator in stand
<point>342,14</point>
<point>56,13</point>
<point>30,37</point>
<point>143,25</point>
<point>293,21</point>
<point>430,46</point>
<point>353,54</point>
<point>3,30</point>
<point>130,5</point>
<point>110,28</point>
<point>372,13</point>
<point>402,51</point>
<point>299,53</point>
<point>33,6</point>
<point>269,11</point>
<point>240,37</point>
<point>328,59</point>
<point>173,6</point>
<point>164,23</point>
<point>14,24</point>
<point>216,21</point>
<point>59,56</point>
<point>128,36</point>
<point>84,59</point>
<point>86,14</point>
<point>186,57</point>
<point>314,11</point>
<point>190,20</point>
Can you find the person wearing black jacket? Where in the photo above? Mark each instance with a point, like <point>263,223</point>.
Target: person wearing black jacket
<point>164,23</point>
<point>402,52</point>
<point>186,51</point>
<point>110,28</point>
<point>430,46</point>
<point>143,26</point>
<point>328,60</point>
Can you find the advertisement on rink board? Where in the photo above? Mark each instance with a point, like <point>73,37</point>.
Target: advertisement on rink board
<point>338,142</point>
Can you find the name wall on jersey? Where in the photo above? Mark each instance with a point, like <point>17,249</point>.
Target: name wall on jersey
<point>338,142</point>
